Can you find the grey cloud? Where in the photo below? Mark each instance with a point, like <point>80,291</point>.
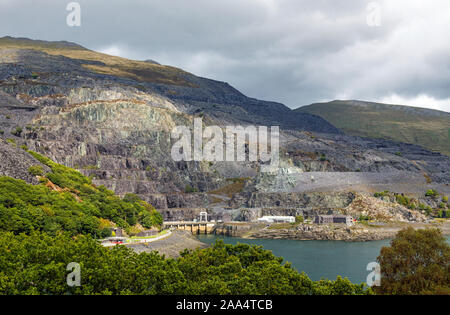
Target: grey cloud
<point>292,51</point>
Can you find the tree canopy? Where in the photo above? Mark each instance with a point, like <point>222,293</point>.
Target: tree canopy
<point>417,262</point>
<point>66,200</point>
<point>36,264</point>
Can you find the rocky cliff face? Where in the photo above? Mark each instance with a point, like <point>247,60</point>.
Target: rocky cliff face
<point>111,118</point>
<point>15,162</point>
<point>325,233</point>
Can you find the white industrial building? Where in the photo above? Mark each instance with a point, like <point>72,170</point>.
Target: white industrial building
<point>277,219</point>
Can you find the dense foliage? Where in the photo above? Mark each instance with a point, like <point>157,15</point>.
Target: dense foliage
<point>417,262</point>
<point>36,264</point>
<point>66,200</point>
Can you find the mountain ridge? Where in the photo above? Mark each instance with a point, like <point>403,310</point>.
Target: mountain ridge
<point>111,119</point>
<point>422,126</point>
<point>363,103</point>
<point>198,94</point>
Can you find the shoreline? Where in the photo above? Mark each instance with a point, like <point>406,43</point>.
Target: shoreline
<point>171,245</point>
<point>340,232</point>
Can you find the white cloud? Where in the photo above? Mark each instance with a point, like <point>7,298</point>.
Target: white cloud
<point>422,100</point>
<point>113,51</point>
<point>124,51</point>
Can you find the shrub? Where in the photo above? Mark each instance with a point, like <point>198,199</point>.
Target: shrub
<point>36,170</point>
<point>445,199</point>
<point>299,219</point>
<point>2,132</point>
<point>17,132</point>
<point>189,189</point>
<point>381,194</point>
<point>11,141</point>
<point>431,193</point>
<point>402,200</point>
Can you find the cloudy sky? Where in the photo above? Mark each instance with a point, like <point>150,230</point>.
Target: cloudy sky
<point>293,51</point>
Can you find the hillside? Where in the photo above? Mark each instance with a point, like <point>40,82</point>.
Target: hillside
<point>425,127</point>
<point>36,59</point>
<point>97,62</point>
<point>111,119</point>
<point>65,200</point>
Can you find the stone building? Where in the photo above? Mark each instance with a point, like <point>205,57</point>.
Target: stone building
<point>323,219</point>
<point>334,218</point>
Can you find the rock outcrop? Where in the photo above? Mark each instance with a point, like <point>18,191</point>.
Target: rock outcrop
<point>380,210</point>
<point>325,233</point>
<point>15,162</point>
<point>112,118</point>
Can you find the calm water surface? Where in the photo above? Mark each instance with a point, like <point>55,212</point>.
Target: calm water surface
<point>318,259</point>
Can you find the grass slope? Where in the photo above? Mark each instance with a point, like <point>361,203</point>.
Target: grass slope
<point>425,127</point>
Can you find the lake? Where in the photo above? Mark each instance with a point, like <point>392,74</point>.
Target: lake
<point>318,259</point>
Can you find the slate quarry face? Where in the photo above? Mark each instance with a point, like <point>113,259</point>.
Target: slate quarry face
<point>113,122</point>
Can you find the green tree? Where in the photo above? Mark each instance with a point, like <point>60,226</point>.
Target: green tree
<point>72,204</point>
<point>416,262</point>
<point>36,264</point>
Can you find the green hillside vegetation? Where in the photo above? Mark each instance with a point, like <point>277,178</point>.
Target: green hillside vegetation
<point>427,128</point>
<point>45,227</point>
<point>67,201</point>
<point>36,264</point>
